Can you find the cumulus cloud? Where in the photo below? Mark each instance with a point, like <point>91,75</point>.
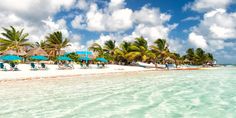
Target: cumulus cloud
<point>197,40</point>
<point>78,22</point>
<point>208,5</point>
<point>214,30</point>
<point>151,16</point>
<point>100,20</point>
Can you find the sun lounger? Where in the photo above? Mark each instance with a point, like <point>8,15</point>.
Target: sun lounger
<point>13,67</point>
<point>2,67</point>
<point>43,66</point>
<point>33,67</point>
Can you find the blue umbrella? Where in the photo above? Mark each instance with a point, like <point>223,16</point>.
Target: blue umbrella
<point>85,58</point>
<point>39,57</point>
<point>84,53</point>
<point>64,58</point>
<point>102,60</point>
<point>10,58</point>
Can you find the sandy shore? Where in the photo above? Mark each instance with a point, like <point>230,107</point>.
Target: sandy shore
<point>26,73</point>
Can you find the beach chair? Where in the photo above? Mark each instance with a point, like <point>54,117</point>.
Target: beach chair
<point>33,67</point>
<point>13,67</point>
<point>2,67</point>
<point>68,66</point>
<point>81,65</point>
<point>43,66</point>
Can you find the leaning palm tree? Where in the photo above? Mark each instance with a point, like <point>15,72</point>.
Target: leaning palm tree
<point>14,40</point>
<point>95,47</point>
<point>56,42</point>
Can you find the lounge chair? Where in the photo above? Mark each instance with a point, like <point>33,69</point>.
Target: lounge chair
<point>69,66</point>
<point>43,66</point>
<point>13,67</point>
<point>2,67</point>
<point>33,67</point>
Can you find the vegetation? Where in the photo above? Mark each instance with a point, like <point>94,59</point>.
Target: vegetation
<point>159,52</point>
<point>124,53</point>
<point>13,40</point>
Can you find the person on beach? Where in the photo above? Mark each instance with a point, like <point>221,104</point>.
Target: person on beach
<point>167,67</point>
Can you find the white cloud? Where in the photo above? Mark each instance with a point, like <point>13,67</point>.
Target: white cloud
<point>99,20</point>
<point>116,4</point>
<point>216,27</point>
<point>151,16</point>
<point>197,40</point>
<point>78,22</point>
<point>191,18</point>
<point>82,5</point>
<point>208,5</point>
<point>34,10</point>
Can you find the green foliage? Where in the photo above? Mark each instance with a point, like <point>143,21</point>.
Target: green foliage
<point>13,39</point>
<point>55,42</point>
<point>74,57</point>
<point>139,50</point>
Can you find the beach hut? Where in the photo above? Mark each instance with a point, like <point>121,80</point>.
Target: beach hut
<point>37,51</point>
<point>13,52</point>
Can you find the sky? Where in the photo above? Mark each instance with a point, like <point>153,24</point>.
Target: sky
<point>207,24</point>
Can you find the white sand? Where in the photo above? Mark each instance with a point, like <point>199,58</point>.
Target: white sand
<point>26,73</point>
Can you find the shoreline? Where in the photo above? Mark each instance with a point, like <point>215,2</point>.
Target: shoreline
<point>53,72</point>
<point>26,74</point>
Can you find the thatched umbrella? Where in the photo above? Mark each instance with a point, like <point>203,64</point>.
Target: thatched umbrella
<point>10,52</point>
<point>37,51</point>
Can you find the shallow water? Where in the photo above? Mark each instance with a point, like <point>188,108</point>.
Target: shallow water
<point>163,94</point>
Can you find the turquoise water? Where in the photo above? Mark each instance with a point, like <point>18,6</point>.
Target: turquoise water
<point>163,94</point>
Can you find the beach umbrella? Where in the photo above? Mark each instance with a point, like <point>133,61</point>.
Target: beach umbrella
<point>102,60</point>
<point>37,51</point>
<point>84,58</point>
<point>63,58</point>
<point>39,57</point>
<point>10,52</point>
<point>84,53</point>
<point>10,58</point>
<point>13,52</point>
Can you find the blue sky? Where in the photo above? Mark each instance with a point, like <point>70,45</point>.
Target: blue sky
<point>183,23</point>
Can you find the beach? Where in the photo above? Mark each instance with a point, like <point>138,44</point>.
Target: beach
<point>25,71</point>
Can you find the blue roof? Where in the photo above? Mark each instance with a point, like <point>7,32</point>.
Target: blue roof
<point>84,53</point>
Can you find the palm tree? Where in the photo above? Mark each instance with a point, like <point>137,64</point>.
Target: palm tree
<point>109,49</point>
<point>138,50</point>
<point>42,44</point>
<point>200,56</point>
<point>14,40</point>
<point>121,53</point>
<point>190,55</point>
<point>95,47</point>
<point>161,49</point>
<point>56,42</point>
